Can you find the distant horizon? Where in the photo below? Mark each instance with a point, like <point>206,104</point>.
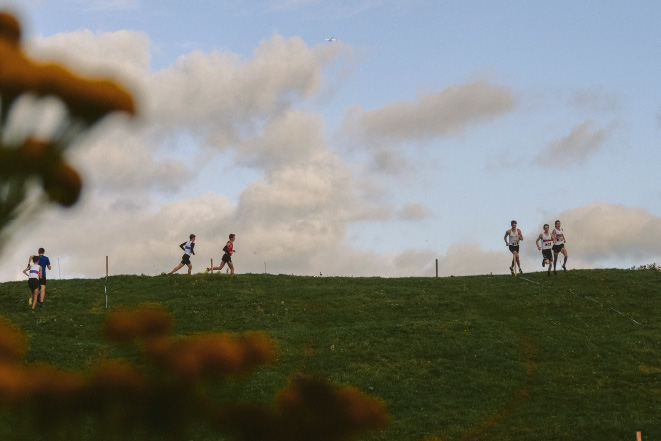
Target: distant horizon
<point>184,273</point>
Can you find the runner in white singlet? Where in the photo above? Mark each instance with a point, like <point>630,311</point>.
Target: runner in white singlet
<point>559,241</point>
<point>33,271</point>
<point>546,247</point>
<point>189,248</point>
<point>512,238</point>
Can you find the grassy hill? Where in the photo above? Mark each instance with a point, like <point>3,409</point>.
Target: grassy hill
<point>575,356</point>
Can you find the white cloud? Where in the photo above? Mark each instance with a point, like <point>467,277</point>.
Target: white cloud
<point>289,138</point>
<point>472,259</point>
<point>602,231</point>
<point>413,212</point>
<point>594,100</point>
<point>449,111</point>
<point>220,92</point>
<point>576,148</point>
<point>384,133</point>
<point>123,163</point>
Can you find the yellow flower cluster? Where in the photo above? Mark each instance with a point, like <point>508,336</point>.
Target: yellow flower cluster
<point>312,408</point>
<point>166,396</point>
<point>309,408</point>
<point>87,100</point>
<point>125,325</point>
<point>203,356</point>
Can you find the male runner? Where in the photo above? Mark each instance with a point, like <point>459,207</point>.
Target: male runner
<point>188,247</point>
<point>559,241</point>
<point>547,245</point>
<point>44,262</point>
<point>514,235</point>
<point>227,257</point>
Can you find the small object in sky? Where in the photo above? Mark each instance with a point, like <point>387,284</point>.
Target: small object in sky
<point>331,39</point>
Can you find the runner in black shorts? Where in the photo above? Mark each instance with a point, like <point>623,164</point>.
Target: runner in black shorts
<point>227,257</point>
<point>33,271</point>
<point>188,248</point>
<point>559,241</point>
<point>44,262</point>
<point>547,243</point>
<point>512,238</point>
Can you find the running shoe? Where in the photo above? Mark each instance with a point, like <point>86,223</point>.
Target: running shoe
<point>564,268</point>
<point>206,271</point>
<point>543,263</point>
<point>512,270</point>
<point>520,271</point>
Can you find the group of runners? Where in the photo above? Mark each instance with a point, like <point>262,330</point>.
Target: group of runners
<point>37,265</point>
<point>189,249</point>
<point>552,244</point>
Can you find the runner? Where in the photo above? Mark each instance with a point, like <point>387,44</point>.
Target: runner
<point>559,241</point>
<point>44,262</point>
<point>547,244</point>
<point>227,257</point>
<point>512,238</point>
<point>33,271</point>
<point>188,248</point>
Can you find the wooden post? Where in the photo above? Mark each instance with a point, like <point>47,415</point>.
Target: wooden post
<point>106,285</point>
<point>639,436</point>
<point>211,267</point>
<point>437,268</point>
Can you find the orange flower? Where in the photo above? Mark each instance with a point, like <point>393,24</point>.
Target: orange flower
<point>211,355</point>
<point>62,184</point>
<point>13,383</point>
<point>89,98</point>
<point>53,394</point>
<point>259,349</point>
<point>312,408</point>
<point>17,74</point>
<point>37,155</point>
<point>86,97</point>
<point>118,378</point>
<point>10,29</point>
<point>125,325</point>
<point>13,343</point>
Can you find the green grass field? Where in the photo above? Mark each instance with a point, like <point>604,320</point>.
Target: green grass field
<point>573,357</point>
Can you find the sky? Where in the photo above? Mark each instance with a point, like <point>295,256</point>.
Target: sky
<point>414,137</point>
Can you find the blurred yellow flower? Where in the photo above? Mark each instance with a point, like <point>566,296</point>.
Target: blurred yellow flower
<point>124,325</point>
<point>13,343</point>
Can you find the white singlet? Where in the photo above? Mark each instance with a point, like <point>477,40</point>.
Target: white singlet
<point>547,241</point>
<point>559,236</point>
<point>514,238</point>
<point>34,271</point>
